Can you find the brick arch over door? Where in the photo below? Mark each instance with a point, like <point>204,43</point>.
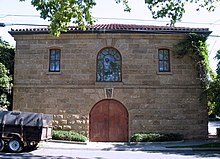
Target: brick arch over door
<point>108,122</point>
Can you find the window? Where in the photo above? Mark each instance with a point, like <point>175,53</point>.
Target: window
<point>108,65</point>
<point>54,63</point>
<point>164,60</point>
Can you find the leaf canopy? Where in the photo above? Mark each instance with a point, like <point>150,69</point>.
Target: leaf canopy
<point>61,13</point>
<point>7,53</point>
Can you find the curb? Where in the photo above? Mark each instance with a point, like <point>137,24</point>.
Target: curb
<point>147,143</point>
<point>159,149</point>
<point>136,149</point>
<point>67,142</point>
<point>117,149</point>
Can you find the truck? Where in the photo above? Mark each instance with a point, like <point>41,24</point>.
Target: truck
<point>23,129</point>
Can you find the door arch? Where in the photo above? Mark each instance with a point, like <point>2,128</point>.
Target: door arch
<point>108,122</point>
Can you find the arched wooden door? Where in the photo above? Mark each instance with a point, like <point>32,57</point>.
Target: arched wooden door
<point>108,122</point>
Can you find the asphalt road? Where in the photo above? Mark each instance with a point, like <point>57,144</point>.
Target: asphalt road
<point>43,153</point>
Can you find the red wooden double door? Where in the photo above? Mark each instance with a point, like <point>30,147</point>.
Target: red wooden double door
<point>108,122</point>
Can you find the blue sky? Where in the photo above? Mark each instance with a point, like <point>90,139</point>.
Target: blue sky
<point>107,11</point>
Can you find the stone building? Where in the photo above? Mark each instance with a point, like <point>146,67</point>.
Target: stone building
<point>110,81</point>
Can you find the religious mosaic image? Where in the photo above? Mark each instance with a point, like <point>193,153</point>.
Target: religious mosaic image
<point>109,65</point>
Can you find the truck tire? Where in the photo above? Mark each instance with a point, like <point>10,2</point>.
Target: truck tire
<point>1,145</point>
<point>15,145</point>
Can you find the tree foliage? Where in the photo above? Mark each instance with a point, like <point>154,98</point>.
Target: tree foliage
<point>218,64</point>
<point>60,13</point>
<point>6,73</point>
<point>174,9</point>
<point>5,86</point>
<point>214,90</point>
<point>196,47</point>
<point>7,54</point>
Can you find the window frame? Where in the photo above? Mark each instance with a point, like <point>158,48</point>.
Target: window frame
<point>164,60</point>
<point>50,60</point>
<point>97,60</point>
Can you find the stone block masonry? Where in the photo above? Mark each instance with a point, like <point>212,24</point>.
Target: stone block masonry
<point>156,101</point>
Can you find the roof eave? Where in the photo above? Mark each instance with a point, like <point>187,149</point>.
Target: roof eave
<point>205,32</point>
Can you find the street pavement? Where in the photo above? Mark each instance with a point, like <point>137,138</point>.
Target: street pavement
<point>93,150</point>
<point>111,146</point>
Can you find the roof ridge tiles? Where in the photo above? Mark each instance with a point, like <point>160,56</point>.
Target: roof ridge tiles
<point>117,28</point>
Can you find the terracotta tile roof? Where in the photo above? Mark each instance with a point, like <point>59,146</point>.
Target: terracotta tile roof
<point>117,28</point>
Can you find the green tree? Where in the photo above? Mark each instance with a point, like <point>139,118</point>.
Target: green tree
<point>174,9</point>
<point>218,64</point>
<point>61,13</point>
<point>7,53</point>
<point>214,90</point>
<point>5,86</point>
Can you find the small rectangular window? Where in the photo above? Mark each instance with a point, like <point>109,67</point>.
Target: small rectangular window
<point>54,63</point>
<point>164,60</point>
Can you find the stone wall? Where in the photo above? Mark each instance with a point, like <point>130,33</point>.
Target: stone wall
<point>156,102</point>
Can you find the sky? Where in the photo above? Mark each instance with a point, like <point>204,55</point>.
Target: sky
<point>107,11</point>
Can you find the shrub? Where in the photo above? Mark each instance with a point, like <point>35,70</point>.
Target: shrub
<point>68,135</point>
<point>155,137</point>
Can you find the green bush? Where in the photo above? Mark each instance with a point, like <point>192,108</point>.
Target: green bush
<point>155,137</point>
<point>68,135</point>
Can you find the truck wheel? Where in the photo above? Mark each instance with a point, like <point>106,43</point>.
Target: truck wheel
<point>15,145</point>
<point>1,144</point>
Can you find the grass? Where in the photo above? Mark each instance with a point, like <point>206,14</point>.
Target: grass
<point>68,136</point>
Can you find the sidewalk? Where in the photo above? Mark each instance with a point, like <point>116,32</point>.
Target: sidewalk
<point>148,146</point>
